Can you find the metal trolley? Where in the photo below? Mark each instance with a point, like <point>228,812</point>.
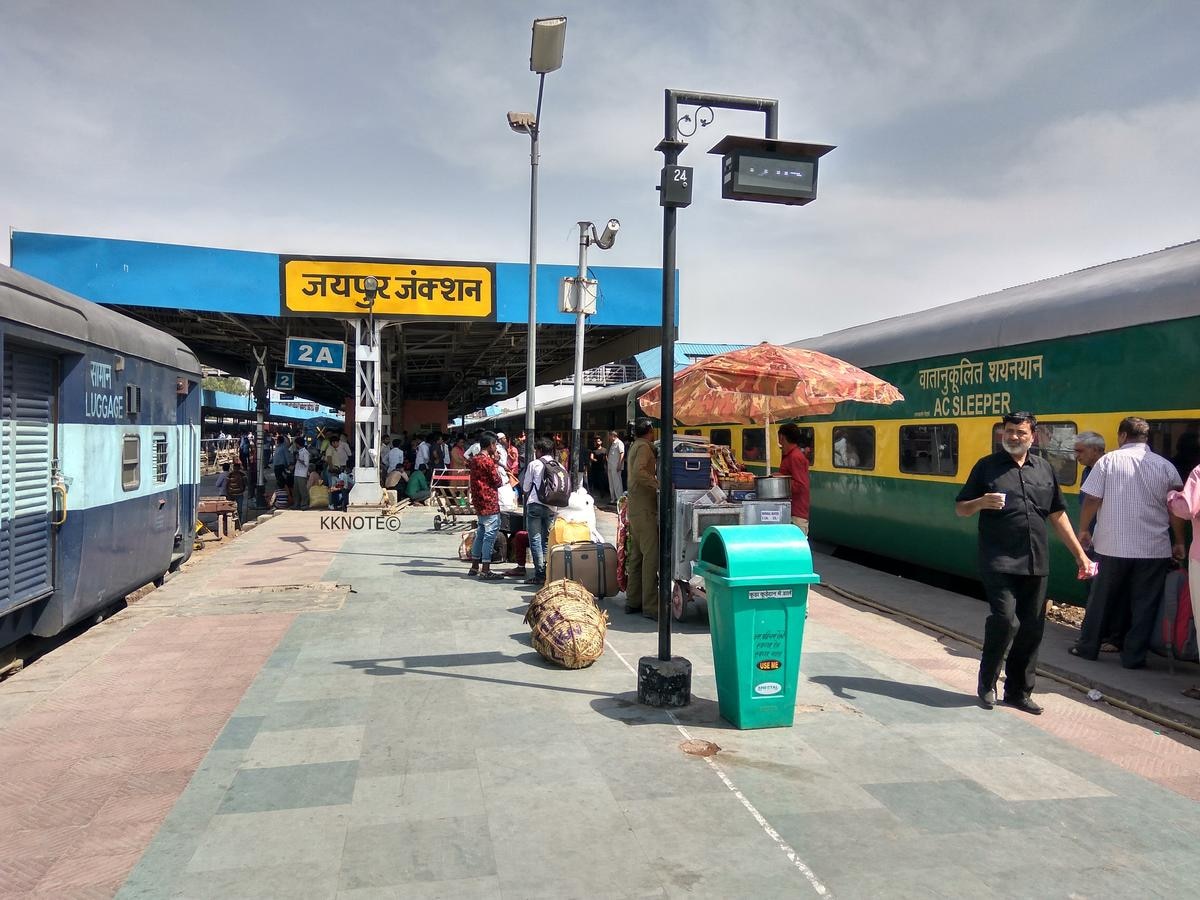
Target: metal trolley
<point>450,490</point>
<point>687,595</point>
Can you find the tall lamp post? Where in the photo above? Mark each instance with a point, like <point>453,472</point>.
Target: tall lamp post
<point>762,170</point>
<point>582,302</point>
<point>545,55</point>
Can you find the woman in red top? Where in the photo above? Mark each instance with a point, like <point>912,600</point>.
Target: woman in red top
<point>486,477</point>
<point>795,464</point>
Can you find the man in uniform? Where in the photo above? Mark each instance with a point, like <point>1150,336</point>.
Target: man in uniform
<point>641,592</point>
<point>1015,494</point>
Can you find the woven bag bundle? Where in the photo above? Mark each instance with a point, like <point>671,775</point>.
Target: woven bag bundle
<point>568,627</point>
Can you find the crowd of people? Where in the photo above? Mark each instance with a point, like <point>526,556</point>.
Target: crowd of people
<point>1135,507</point>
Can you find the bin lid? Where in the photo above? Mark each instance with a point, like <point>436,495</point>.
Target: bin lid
<point>747,553</point>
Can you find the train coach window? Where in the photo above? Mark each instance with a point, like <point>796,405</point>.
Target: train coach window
<point>754,444</point>
<point>808,443</point>
<point>160,457</point>
<point>1179,441</point>
<point>1054,442</point>
<point>854,447</point>
<point>929,449</point>
<point>131,458</point>
<point>722,437</point>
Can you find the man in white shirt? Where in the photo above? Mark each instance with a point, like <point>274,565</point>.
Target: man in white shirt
<point>395,456</point>
<point>300,476</point>
<point>616,462</point>
<point>1126,494</point>
<point>422,453</point>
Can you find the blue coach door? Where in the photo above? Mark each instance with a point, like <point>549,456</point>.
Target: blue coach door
<point>26,436</point>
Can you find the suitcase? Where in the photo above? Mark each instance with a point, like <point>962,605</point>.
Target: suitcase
<point>564,532</point>
<point>592,565</point>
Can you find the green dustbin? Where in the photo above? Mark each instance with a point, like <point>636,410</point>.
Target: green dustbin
<point>757,578</point>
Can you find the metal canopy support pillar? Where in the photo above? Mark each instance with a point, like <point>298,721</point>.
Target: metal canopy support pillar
<point>368,411</point>
<point>663,680</point>
<point>262,402</point>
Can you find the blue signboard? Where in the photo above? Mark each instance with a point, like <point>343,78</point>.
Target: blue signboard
<point>285,381</point>
<point>309,353</point>
<point>498,387</point>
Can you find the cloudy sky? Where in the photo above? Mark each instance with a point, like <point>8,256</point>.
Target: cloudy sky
<point>980,145</point>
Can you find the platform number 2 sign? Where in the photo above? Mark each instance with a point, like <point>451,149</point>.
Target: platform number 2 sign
<point>310,353</point>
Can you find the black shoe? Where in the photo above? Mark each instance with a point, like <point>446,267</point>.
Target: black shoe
<point>632,609</point>
<point>1024,704</point>
<point>987,699</point>
<point>1076,650</point>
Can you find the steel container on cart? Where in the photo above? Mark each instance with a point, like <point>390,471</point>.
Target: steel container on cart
<point>757,582</point>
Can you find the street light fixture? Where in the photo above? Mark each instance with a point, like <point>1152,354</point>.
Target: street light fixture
<point>545,55</point>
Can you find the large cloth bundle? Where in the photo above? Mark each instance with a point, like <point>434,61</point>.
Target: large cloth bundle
<point>568,627</point>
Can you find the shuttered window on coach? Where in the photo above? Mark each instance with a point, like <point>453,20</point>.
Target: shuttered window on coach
<point>722,437</point>
<point>131,459</point>
<point>929,449</point>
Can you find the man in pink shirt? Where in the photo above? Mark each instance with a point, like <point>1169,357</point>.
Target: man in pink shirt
<point>1186,505</point>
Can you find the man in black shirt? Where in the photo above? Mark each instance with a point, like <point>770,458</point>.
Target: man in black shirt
<point>1015,494</point>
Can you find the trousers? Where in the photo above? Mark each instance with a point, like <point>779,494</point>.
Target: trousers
<point>641,563</point>
<point>485,538</point>
<point>1015,627</point>
<point>300,486</point>
<point>1124,585</point>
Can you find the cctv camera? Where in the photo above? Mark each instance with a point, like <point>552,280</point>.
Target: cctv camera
<point>609,235</point>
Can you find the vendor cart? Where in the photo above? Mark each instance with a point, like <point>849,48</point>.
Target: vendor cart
<point>691,520</point>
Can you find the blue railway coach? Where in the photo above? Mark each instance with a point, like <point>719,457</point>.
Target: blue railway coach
<point>99,456</point>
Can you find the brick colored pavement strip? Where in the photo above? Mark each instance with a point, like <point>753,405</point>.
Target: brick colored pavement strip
<point>122,739</point>
<point>99,738</point>
<point>1158,754</point>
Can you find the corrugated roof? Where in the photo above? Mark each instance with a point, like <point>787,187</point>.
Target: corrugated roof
<point>650,361</point>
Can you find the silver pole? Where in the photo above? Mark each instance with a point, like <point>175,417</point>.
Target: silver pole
<point>577,398</point>
<point>531,356</point>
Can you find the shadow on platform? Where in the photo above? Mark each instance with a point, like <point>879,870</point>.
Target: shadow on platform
<point>923,694</point>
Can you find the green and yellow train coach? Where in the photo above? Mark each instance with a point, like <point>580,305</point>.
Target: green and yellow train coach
<point>1081,351</point>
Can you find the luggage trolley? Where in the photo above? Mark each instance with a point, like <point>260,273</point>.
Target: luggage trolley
<point>450,490</point>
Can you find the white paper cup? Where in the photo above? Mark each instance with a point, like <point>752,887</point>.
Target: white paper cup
<point>1003,500</point>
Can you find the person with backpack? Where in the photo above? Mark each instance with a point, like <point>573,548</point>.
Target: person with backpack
<point>545,487</point>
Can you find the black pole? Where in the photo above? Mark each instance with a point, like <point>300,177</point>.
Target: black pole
<point>664,681</point>
<point>666,494</point>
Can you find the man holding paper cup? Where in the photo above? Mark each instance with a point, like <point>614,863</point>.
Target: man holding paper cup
<point>1016,494</point>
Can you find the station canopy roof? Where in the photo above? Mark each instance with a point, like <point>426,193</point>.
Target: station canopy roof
<point>459,325</point>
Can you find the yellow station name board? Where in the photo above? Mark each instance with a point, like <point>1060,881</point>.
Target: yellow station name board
<point>409,290</point>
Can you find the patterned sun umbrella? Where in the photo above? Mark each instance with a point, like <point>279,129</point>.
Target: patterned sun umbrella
<point>767,382</point>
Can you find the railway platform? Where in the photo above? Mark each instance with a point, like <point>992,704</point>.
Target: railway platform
<point>309,711</point>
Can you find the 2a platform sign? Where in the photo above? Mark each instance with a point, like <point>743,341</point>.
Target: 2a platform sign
<point>311,353</point>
